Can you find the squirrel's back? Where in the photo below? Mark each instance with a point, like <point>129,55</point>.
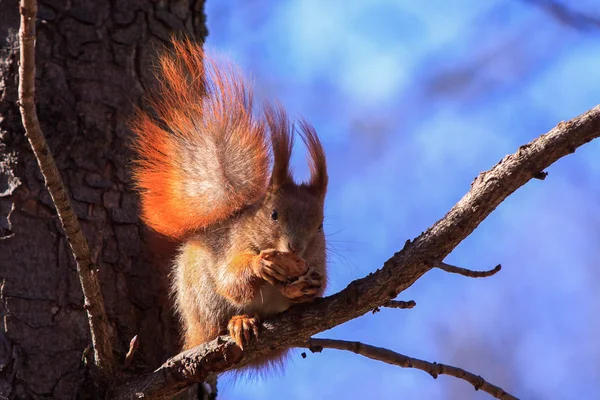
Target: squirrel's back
<point>202,155</point>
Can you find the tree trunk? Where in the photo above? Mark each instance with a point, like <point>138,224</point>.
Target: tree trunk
<point>94,60</point>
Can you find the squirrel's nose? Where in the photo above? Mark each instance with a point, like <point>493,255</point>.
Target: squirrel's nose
<point>296,247</point>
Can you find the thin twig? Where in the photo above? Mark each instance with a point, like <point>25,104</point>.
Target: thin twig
<point>403,269</point>
<point>465,272</point>
<point>88,274</point>
<point>391,357</point>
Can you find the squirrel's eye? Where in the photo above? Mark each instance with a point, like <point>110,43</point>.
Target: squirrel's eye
<point>274,215</point>
<point>321,227</point>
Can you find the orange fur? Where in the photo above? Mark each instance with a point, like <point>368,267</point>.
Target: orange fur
<point>239,283</point>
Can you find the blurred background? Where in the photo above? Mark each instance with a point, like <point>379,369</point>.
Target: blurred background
<point>412,100</point>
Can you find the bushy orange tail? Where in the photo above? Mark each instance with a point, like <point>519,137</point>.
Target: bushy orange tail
<point>202,156</point>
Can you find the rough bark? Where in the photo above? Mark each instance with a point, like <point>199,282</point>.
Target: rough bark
<point>94,61</point>
<point>103,358</point>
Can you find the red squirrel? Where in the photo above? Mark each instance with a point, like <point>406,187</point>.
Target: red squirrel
<point>216,177</point>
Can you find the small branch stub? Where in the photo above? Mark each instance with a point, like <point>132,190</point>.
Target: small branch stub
<point>133,346</point>
<point>541,175</point>
<point>396,304</point>
<point>400,304</point>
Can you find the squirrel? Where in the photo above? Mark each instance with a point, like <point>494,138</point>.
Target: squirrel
<point>216,177</point>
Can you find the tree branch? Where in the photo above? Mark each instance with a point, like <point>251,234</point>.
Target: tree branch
<point>391,357</point>
<point>301,322</point>
<point>93,301</point>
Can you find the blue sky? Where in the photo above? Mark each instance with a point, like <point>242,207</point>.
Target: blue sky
<point>412,100</point>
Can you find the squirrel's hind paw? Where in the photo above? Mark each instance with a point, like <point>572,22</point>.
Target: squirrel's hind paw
<point>241,327</point>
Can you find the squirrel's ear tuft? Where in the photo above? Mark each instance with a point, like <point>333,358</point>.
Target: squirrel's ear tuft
<point>317,162</point>
<point>282,139</point>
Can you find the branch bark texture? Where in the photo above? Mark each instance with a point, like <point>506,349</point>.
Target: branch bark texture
<point>87,271</point>
<point>301,322</point>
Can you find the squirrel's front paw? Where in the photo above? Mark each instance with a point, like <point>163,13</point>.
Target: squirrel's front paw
<point>279,268</point>
<point>305,288</point>
<point>240,327</point>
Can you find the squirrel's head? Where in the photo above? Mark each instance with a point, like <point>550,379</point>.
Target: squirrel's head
<point>292,218</point>
<point>291,214</point>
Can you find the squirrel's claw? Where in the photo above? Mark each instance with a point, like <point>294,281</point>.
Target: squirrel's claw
<point>272,273</point>
<point>241,327</point>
